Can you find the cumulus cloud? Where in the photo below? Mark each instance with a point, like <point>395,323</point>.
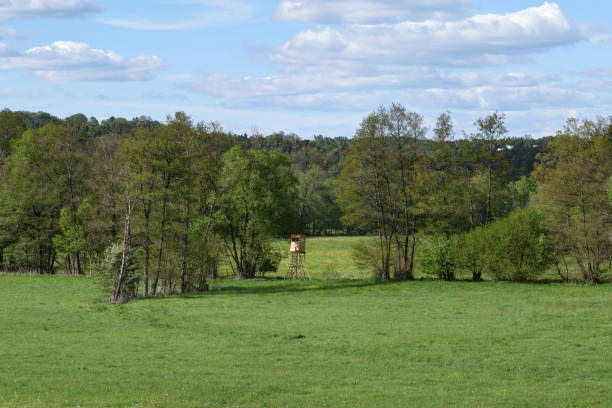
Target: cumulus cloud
<point>224,86</point>
<point>369,11</point>
<point>487,39</point>
<point>216,13</point>
<point>45,8</point>
<point>504,98</point>
<point>345,90</point>
<point>71,61</point>
<point>372,53</point>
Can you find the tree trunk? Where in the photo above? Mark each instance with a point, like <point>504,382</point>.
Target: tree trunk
<point>161,247</point>
<point>185,248</point>
<point>147,250</point>
<point>118,295</point>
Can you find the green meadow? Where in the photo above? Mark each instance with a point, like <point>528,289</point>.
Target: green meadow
<point>327,258</point>
<point>317,343</point>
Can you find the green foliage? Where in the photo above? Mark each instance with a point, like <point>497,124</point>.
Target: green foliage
<point>107,272</point>
<point>11,128</point>
<point>518,248</point>
<point>380,185</point>
<point>572,179</point>
<point>269,262</point>
<point>317,209</point>
<point>521,192</point>
<point>72,238</point>
<point>472,252</point>
<point>256,203</point>
<point>437,258</point>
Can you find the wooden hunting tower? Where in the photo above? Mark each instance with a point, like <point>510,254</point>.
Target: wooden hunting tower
<point>297,265</point>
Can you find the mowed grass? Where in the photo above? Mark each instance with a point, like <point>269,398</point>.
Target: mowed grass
<point>275,343</point>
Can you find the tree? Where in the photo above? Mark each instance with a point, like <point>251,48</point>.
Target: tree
<point>438,259</point>
<point>167,155</point>
<point>364,188</point>
<point>317,210</point>
<point>47,172</point>
<point>572,181</point>
<point>441,179</point>
<point>379,186</point>
<point>472,255</point>
<point>490,129</point>
<point>256,202</point>
<point>11,127</point>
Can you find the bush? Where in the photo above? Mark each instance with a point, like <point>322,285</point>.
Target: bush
<point>518,249</point>
<point>270,261</point>
<point>472,252</point>
<point>438,259</point>
<point>108,272</point>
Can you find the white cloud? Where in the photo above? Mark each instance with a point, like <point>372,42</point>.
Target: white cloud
<point>216,13</point>
<point>595,85</point>
<point>45,8</point>
<point>6,50</point>
<point>17,93</point>
<point>370,11</point>
<point>165,96</point>
<point>226,87</point>
<point>71,61</point>
<point>522,98</point>
<point>603,72</point>
<point>487,39</point>
<point>433,88</point>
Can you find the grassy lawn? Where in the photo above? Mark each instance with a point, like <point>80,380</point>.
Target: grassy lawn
<point>307,344</point>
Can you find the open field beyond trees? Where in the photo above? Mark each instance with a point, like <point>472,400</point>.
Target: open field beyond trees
<point>306,344</point>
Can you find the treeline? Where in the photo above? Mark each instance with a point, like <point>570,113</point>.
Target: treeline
<point>161,205</point>
<point>467,196</point>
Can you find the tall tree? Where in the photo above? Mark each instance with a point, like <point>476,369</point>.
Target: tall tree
<point>490,129</point>
<point>11,127</point>
<point>256,203</point>
<point>572,181</point>
<point>380,177</point>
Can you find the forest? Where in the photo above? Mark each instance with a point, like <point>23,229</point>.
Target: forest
<point>158,208</point>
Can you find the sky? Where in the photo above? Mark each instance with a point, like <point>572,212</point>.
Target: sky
<point>309,66</point>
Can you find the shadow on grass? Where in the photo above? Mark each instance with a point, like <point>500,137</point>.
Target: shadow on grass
<point>273,286</point>
<point>267,286</point>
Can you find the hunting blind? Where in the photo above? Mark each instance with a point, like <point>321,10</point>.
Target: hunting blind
<point>297,265</point>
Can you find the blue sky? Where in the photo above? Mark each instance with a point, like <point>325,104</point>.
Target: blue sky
<point>309,66</point>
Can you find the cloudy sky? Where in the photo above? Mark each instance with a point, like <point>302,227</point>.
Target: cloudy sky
<point>309,66</point>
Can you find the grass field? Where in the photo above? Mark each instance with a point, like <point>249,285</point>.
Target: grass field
<point>326,258</point>
<point>275,343</point>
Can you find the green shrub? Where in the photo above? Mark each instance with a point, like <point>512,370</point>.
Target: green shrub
<point>270,261</point>
<point>472,252</point>
<point>108,272</point>
<point>517,247</point>
<point>438,259</point>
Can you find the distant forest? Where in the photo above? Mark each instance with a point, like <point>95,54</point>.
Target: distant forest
<point>175,199</point>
